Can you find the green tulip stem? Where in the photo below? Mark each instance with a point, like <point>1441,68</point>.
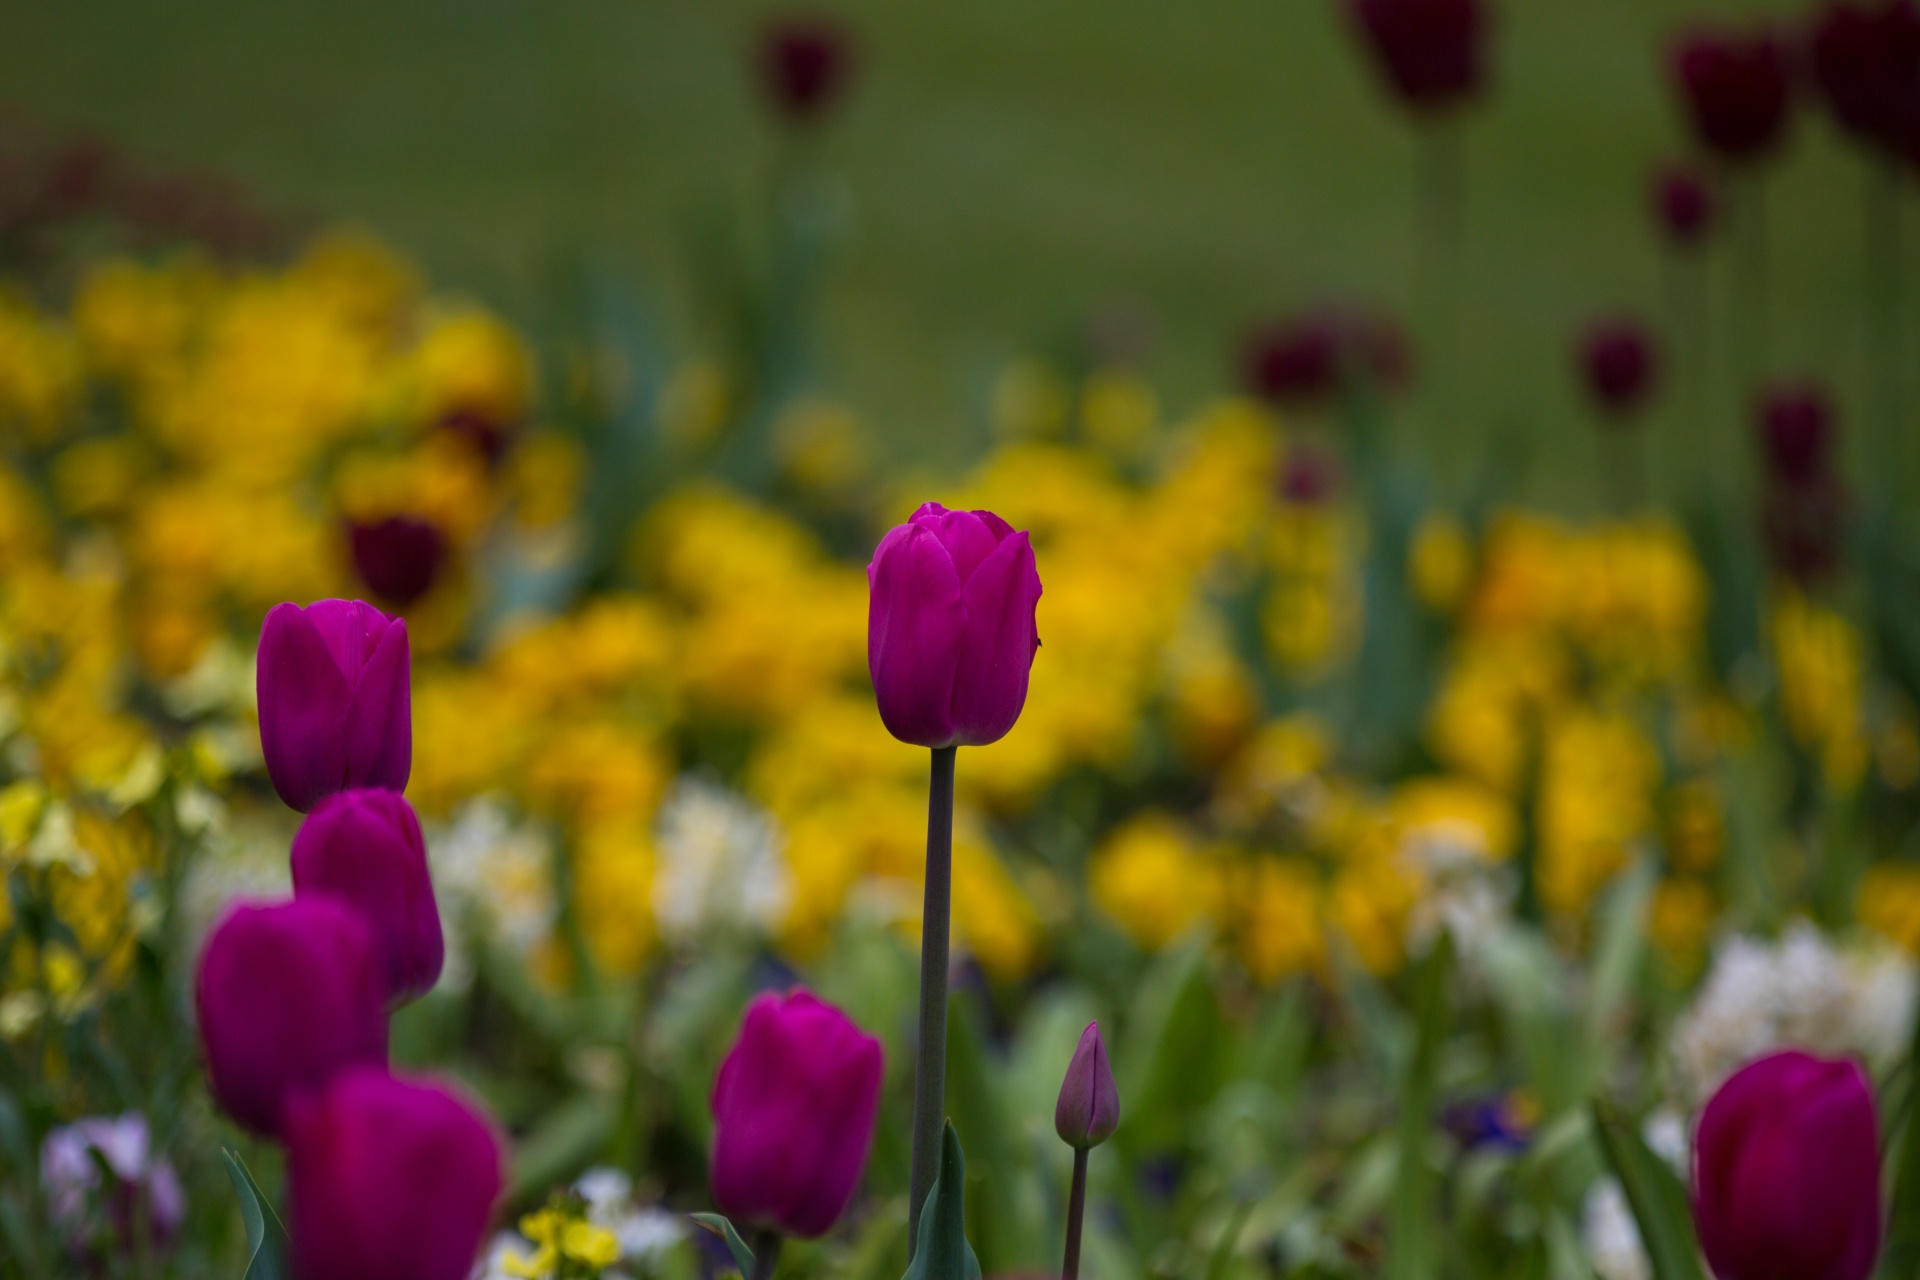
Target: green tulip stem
<point>1076,1210</point>
<point>930,1067</point>
<point>766,1254</point>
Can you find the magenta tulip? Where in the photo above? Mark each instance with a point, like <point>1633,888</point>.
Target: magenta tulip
<point>388,1179</point>
<point>1432,52</point>
<point>1088,1110</point>
<point>399,558</point>
<point>1787,1172</point>
<point>287,994</point>
<point>793,1112</point>
<point>335,703</point>
<point>1315,354</point>
<point>364,847</point>
<point>1619,363</point>
<point>1738,89</point>
<point>950,627</point>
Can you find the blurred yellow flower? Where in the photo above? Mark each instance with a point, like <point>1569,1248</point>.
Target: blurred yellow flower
<point>1152,878</point>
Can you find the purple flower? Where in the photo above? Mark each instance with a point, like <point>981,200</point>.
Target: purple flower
<point>803,66</point>
<point>1089,1107</point>
<point>398,558</point>
<point>287,994</point>
<point>388,1179</point>
<point>793,1112</point>
<point>70,1177</point>
<point>1619,363</point>
<point>1786,1175</point>
<point>364,847</point>
<point>1683,204</point>
<point>950,627</point>
<point>1738,87</point>
<point>1315,354</point>
<point>1796,431</point>
<point>1866,64</point>
<point>336,709</point>
<point>1432,52</point>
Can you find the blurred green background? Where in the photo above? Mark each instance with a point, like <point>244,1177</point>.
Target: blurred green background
<point>1012,168</point>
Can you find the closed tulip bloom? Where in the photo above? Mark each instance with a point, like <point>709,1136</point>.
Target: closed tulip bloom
<point>1797,431</point>
<point>1618,360</point>
<point>388,1179</point>
<point>287,994</point>
<point>1089,1107</point>
<point>804,66</point>
<point>1738,88</point>
<point>1866,62</point>
<point>793,1112</point>
<point>364,848</point>
<point>1432,52</point>
<point>336,708</point>
<point>950,627</point>
<point>399,558</point>
<point>1683,205</point>
<point>1787,1172</point>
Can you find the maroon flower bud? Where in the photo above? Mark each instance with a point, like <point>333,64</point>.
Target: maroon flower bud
<point>1738,87</point>
<point>1431,52</point>
<point>1620,365</point>
<point>398,557</point>
<point>1683,205</point>
<point>804,64</point>
<point>287,994</point>
<point>1804,526</point>
<point>1866,64</point>
<point>1796,431</point>
<point>1309,357</point>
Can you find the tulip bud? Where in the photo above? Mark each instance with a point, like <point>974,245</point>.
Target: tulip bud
<point>1618,360</point>
<point>287,994</point>
<point>1089,1108</point>
<point>1430,51</point>
<point>793,1113</point>
<point>1683,205</point>
<point>335,703</point>
<point>1738,88</point>
<point>1787,1172</point>
<point>950,627</point>
<point>364,848</point>
<point>388,1179</point>
<point>1866,63</point>
<point>398,557</point>
<point>1796,432</point>
<point>803,66</point>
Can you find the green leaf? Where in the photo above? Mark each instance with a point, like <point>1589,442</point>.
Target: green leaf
<point>1172,1054</point>
<point>266,1237</point>
<point>943,1252</point>
<point>720,1226</point>
<point>1413,1237</point>
<point>1903,1225</point>
<point>1654,1192</point>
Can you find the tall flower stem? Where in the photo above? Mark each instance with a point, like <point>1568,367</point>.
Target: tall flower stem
<point>1076,1212</point>
<point>1883,328</point>
<point>1752,330</point>
<point>1441,196</point>
<point>766,1254</point>
<point>930,1067</point>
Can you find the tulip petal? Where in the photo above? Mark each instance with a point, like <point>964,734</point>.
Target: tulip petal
<point>303,696</point>
<point>990,686</point>
<point>365,848</point>
<point>967,538</point>
<point>380,721</point>
<point>915,626</point>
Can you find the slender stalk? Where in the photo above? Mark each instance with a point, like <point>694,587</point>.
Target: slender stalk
<point>1076,1211</point>
<point>930,1067</point>
<point>1442,191</point>
<point>1695,429</point>
<point>1752,306</point>
<point>1883,328</point>
<point>766,1254</point>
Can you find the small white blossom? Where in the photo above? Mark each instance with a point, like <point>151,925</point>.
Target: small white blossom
<point>1611,1236</point>
<point>720,864</point>
<point>492,874</point>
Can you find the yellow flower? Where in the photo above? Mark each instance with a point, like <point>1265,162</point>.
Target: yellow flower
<point>1368,904</point>
<point>468,361</point>
<point>1820,660</point>
<point>1695,829</point>
<point>1456,810</point>
<point>594,770</point>
<point>1598,772</point>
<point>1152,878</point>
<point>613,894</point>
<point>992,918</point>
<point>1889,903</point>
<point>544,475</point>
<point>1440,561</point>
<point>1679,920</point>
<point>1277,917</point>
<point>40,371</point>
<point>1118,411</point>
<point>593,1246</point>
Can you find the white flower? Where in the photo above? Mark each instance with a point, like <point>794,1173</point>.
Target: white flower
<point>1467,894</point>
<point>1800,991</point>
<point>1612,1238</point>
<point>1665,1134</point>
<point>493,874</point>
<point>720,864</point>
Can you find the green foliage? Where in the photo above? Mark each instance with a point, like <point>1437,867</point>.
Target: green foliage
<point>267,1257</point>
<point>943,1252</point>
<point>1659,1201</point>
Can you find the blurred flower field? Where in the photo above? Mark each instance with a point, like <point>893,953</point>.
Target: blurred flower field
<point>1381,832</point>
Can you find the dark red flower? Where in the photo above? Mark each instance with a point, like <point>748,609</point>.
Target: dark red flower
<point>1866,64</point>
<point>1620,363</point>
<point>1804,526</point>
<point>1683,204</point>
<point>1738,88</point>
<point>1432,52</point>
<point>1797,431</point>
<point>398,557</point>
<point>804,64</point>
<point>1310,356</point>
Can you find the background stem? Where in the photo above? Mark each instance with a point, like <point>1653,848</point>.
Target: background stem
<point>766,1254</point>
<point>930,1067</point>
<point>1076,1211</point>
<point>1888,471</point>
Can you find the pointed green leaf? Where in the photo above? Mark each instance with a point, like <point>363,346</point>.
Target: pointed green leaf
<point>266,1237</point>
<point>1654,1192</point>
<point>943,1252</point>
<point>1412,1216</point>
<point>722,1227</point>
